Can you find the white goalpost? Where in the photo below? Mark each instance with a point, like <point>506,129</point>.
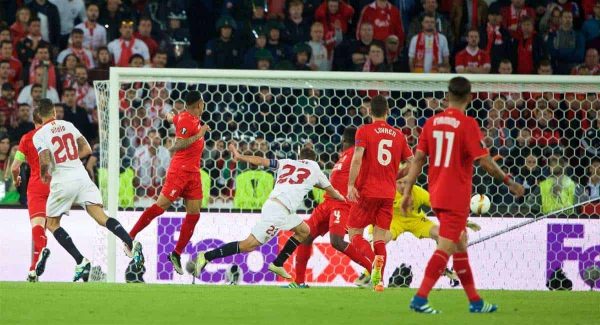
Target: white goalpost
<point>288,109</point>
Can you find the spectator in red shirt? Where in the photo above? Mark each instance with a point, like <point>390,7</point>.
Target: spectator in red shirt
<point>144,33</point>
<point>591,63</point>
<point>513,14</point>
<point>42,57</point>
<point>385,19</point>
<point>27,46</point>
<point>18,29</point>
<point>528,48</point>
<point>494,38</point>
<point>16,68</point>
<point>335,14</point>
<point>4,72</point>
<point>473,59</point>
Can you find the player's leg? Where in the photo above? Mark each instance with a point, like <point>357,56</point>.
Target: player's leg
<point>301,232</point>
<point>247,245</point>
<point>192,207</point>
<point>82,269</point>
<point>303,253</point>
<point>383,219</point>
<point>338,223</point>
<point>450,231</point>
<point>40,252</point>
<point>113,225</point>
<point>158,208</point>
<point>358,219</point>
<point>463,269</point>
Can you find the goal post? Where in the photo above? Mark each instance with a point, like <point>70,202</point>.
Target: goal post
<point>297,96</point>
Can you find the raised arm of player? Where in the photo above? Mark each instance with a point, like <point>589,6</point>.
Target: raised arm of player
<point>353,195</point>
<point>183,143</point>
<point>45,164</point>
<point>254,160</point>
<point>490,166</point>
<point>84,147</point>
<point>15,168</point>
<point>415,169</point>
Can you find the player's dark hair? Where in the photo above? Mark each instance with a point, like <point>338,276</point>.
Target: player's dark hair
<point>349,135</point>
<point>379,106</point>
<point>45,108</point>
<point>37,119</point>
<point>459,89</point>
<point>308,154</point>
<point>192,97</point>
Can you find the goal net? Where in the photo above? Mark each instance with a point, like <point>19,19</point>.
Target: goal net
<point>541,129</point>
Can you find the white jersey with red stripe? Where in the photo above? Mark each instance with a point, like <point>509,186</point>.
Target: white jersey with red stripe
<point>60,138</point>
<point>295,178</point>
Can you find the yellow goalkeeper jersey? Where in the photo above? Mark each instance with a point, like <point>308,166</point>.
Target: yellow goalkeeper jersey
<point>420,199</point>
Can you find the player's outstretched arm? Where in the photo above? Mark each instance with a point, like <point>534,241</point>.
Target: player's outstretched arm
<point>84,147</point>
<point>355,165</point>
<point>490,166</point>
<point>15,168</point>
<point>45,163</point>
<point>254,160</point>
<point>416,166</point>
<point>181,143</point>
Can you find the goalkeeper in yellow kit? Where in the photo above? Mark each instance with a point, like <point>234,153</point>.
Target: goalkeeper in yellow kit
<point>415,222</point>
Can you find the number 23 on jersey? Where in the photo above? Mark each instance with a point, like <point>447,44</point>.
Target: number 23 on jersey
<point>293,175</point>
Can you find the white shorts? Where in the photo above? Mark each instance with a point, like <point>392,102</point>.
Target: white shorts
<point>274,217</point>
<point>64,194</point>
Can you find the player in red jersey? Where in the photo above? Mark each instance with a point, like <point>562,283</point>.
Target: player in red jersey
<point>37,195</point>
<point>331,216</point>
<point>453,142</point>
<point>183,178</point>
<point>380,149</point>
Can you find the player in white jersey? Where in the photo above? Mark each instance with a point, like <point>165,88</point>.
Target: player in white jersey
<point>295,178</point>
<point>60,146</point>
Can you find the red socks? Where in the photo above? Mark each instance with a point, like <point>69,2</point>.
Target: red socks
<point>433,271</point>
<point>145,219</point>
<point>187,229</point>
<point>38,236</point>
<point>363,247</point>
<point>379,247</point>
<point>463,269</point>
<point>303,253</point>
<point>357,257</point>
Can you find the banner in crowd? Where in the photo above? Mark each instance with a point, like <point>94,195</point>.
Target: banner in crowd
<point>521,259</point>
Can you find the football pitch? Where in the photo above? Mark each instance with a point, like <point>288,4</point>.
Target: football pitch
<point>100,303</point>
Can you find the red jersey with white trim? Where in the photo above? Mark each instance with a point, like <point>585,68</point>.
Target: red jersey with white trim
<point>341,173</point>
<point>452,140</point>
<point>188,159</point>
<point>26,147</point>
<point>385,148</point>
<point>466,59</point>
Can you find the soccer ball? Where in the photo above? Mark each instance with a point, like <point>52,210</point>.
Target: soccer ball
<point>480,204</point>
<point>233,274</point>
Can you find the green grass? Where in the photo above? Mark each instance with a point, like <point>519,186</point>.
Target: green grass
<point>98,303</point>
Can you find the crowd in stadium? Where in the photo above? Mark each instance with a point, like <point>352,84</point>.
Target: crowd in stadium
<point>57,48</point>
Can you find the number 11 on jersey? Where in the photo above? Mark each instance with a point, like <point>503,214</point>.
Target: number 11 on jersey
<point>440,136</point>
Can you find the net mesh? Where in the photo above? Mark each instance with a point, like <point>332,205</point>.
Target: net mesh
<point>545,134</point>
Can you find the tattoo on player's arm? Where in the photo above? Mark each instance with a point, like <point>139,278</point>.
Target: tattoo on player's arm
<point>181,143</point>
<point>84,147</point>
<point>45,162</point>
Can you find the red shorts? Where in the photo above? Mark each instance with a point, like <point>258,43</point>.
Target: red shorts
<point>452,223</point>
<point>36,204</point>
<point>329,216</point>
<point>185,185</point>
<point>371,211</point>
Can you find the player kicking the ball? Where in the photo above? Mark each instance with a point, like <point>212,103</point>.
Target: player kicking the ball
<point>331,216</point>
<point>295,178</point>
<point>183,178</point>
<point>414,221</point>
<point>380,149</point>
<point>453,142</point>
<point>37,195</point>
<point>60,145</point>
